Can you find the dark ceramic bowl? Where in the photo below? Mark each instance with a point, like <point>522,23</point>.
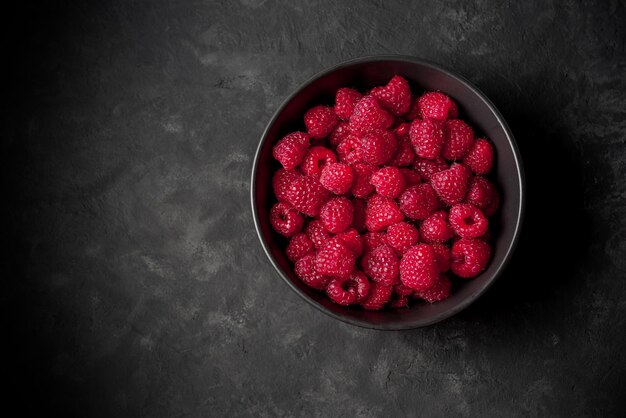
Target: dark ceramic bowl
<point>474,107</point>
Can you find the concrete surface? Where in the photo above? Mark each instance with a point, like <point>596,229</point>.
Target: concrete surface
<point>135,285</point>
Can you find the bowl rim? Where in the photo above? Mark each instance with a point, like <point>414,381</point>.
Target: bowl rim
<point>518,166</point>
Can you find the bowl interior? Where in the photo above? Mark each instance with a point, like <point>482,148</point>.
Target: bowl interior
<point>477,110</point>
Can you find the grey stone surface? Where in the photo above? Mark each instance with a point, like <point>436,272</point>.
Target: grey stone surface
<point>135,285</point>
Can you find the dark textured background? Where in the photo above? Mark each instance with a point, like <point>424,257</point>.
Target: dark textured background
<point>135,285</point>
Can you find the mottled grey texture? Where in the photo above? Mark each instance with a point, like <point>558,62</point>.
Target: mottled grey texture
<point>136,285</point>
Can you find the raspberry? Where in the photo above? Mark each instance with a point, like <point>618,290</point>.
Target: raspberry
<point>290,150</point>
<point>378,147</point>
<point>307,195</point>
<point>451,184</point>
<point>361,186</point>
<point>411,177</point>
<point>418,268</point>
<point>299,246</point>
<point>358,221</point>
<point>349,290</point>
<point>320,121</point>
<point>468,221</point>
<point>435,228</point>
<point>402,236</point>
<point>404,155</point>
<point>427,137</point>
<point>338,134</point>
<point>349,150</point>
<point>414,110</point>
<point>442,253</point>
<point>337,177</point>
<point>440,290</point>
<point>419,202</point>
<point>306,271</point>
<point>480,157</point>
<point>403,290</point>
<point>334,259</point>
<point>388,181</point>
<point>368,115</point>
<point>377,297</point>
<point>372,240</point>
<point>426,168</point>
<point>395,96</point>
<point>381,212</point>
<point>353,241</point>
<point>285,219</point>
<point>399,301</point>
<point>316,232</point>
<point>336,214</point>
<point>436,105</point>
<point>345,100</point>
<point>381,264</point>
<point>402,130</point>
<point>282,181</point>
<point>458,138</point>
<point>480,192</point>
<point>469,257</point>
<point>316,159</point>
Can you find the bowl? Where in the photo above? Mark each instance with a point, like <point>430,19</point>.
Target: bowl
<point>474,107</point>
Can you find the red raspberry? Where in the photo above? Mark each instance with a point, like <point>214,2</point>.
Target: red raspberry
<point>305,270</point>
<point>338,134</point>
<point>320,121</point>
<point>285,219</point>
<point>438,106</point>
<point>395,96</point>
<point>480,192</point>
<point>442,252</point>
<point>368,115</point>
<point>381,212</point>
<point>353,241</point>
<point>282,181</point>
<point>350,150</point>
<point>336,214</point>
<point>307,195</point>
<point>435,228</point>
<point>404,154</point>
<point>402,236</point>
<point>403,290</point>
<point>334,259</point>
<point>345,100</point>
<point>337,177</point>
<point>418,268</point>
<point>411,177</point>
<point>468,221</point>
<point>459,139</point>
<point>480,157</point>
<point>414,110</point>
<point>399,301</point>
<point>316,159</point>
<point>451,184</point>
<point>427,137</point>
<point>372,240</point>
<point>440,290</point>
<point>361,186</point>
<point>402,130</point>
<point>377,297</point>
<point>349,290</point>
<point>426,168</point>
<point>290,150</point>
<point>469,257</point>
<point>388,181</point>
<point>317,233</point>
<point>358,221</point>
<point>381,264</point>
<point>378,147</point>
<point>419,202</point>
<point>299,246</point>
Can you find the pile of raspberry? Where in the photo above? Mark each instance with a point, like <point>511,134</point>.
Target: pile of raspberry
<point>384,198</point>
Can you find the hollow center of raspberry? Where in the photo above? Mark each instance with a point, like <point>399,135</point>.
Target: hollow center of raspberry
<point>469,220</point>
